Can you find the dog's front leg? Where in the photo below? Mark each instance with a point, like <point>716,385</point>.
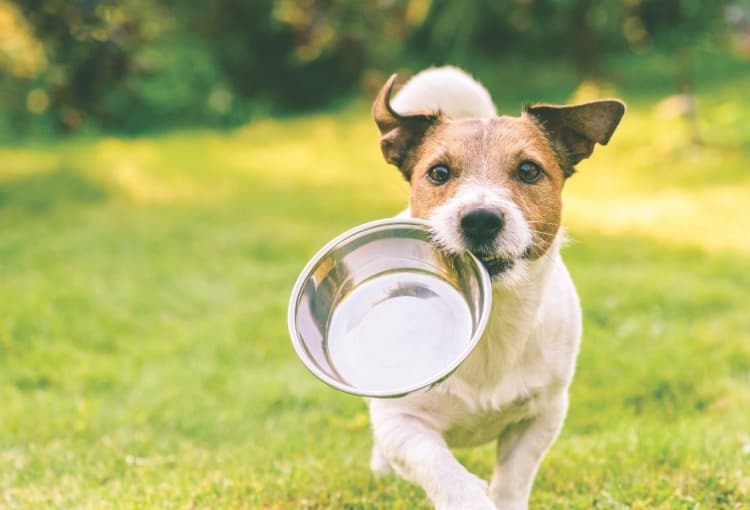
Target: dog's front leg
<point>419,454</point>
<point>520,449</point>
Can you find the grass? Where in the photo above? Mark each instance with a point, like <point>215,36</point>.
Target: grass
<point>144,359</point>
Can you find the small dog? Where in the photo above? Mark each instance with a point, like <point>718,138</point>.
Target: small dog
<point>491,185</point>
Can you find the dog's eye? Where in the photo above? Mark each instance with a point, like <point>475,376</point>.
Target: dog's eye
<point>439,174</point>
<point>529,172</point>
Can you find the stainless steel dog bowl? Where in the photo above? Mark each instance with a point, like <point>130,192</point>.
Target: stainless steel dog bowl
<point>381,312</point>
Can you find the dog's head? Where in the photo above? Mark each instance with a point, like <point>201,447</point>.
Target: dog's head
<point>493,186</point>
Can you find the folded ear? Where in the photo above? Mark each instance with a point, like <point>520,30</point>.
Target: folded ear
<point>575,129</point>
<point>400,134</point>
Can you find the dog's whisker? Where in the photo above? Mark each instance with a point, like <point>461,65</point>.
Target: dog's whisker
<point>546,235</point>
<point>542,232</point>
<point>541,222</point>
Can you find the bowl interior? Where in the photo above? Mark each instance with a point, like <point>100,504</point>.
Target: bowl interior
<point>381,312</point>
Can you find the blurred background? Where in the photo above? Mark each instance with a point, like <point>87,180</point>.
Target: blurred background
<point>167,167</point>
<point>135,65</point>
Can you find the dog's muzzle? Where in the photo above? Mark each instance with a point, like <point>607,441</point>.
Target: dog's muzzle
<point>480,229</point>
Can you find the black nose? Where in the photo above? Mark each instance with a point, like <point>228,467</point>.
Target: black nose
<point>481,225</point>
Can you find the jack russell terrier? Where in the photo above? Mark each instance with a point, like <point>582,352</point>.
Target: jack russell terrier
<point>492,185</point>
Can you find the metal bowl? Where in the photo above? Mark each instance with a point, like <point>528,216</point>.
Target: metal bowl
<point>381,312</point>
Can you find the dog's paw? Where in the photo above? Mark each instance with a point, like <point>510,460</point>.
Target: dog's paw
<point>468,494</point>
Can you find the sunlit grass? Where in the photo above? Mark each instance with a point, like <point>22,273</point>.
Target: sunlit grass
<point>144,359</point>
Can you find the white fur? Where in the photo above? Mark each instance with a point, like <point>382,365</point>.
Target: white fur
<point>517,236</point>
<point>448,89</point>
<point>513,387</point>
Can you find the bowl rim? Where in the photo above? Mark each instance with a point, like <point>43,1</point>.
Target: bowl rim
<point>485,282</point>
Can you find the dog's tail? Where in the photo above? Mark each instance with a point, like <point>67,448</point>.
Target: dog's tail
<point>447,89</point>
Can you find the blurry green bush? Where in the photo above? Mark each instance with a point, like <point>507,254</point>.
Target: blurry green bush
<point>136,64</point>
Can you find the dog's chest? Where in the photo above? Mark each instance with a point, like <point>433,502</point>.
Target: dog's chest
<point>484,426</point>
<point>507,379</point>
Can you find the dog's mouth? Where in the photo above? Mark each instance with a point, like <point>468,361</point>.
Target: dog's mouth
<point>497,265</point>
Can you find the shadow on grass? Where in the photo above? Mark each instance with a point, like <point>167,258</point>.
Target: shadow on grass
<point>43,193</point>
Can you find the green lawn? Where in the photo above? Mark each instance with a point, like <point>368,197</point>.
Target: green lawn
<point>144,358</point>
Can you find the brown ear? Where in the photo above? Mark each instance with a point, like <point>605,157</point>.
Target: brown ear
<point>400,134</point>
<point>576,128</point>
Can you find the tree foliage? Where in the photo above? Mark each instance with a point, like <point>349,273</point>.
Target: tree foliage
<point>133,64</point>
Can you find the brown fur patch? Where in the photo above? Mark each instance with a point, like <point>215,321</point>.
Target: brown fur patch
<point>575,129</point>
<point>490,151</point>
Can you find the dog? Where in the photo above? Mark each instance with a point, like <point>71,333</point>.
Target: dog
<point>491,185</point>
